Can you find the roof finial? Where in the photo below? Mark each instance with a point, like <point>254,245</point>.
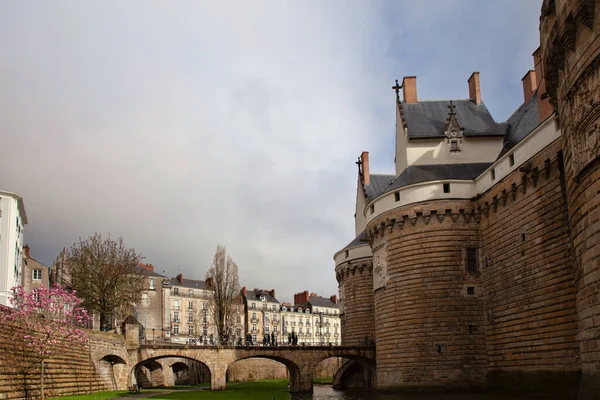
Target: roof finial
<point>359,163</point>
<point>451,107</point>
<point>397,88</point>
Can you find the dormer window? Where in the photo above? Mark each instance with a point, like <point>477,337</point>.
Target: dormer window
<point>453,131</point>
<point>263,298</point>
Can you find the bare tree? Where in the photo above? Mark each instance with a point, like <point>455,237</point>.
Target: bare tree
<point>105,274</point>
<point>222,278</point>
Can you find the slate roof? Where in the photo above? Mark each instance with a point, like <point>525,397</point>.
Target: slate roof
<point>359,240</point>
<point>425,173</point>
<point>147,272</point>
<point>379,183</point>
<point>426,119</point>
<point>523,121</point>
<point>254,295</point>
<point>319,301</point>
<point>189,283</point>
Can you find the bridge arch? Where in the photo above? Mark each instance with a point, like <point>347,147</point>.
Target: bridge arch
<point>357,370</point>
<point>112,369</point>
<point>167,370</point>
<point>294,371</point>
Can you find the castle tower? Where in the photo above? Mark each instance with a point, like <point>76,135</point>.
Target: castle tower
<point>569,60</point>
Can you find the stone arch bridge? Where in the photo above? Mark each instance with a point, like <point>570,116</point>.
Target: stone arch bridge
<point>299,360</point>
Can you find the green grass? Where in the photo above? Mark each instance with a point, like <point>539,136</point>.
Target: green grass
<point>260,390</point>
<point>125,393</point>
<point>323,381</point>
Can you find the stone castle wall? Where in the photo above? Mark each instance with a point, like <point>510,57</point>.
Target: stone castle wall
<point>570,47</point>
<point>252,369</point>
<point>429,330</point>
<point>356,289</point>
<point>71,371</point>
<point>527,277</point>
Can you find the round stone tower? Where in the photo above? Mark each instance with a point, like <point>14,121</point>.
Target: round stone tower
<point>429,310</point>
<point>353,270</point>
<point>570,55</point>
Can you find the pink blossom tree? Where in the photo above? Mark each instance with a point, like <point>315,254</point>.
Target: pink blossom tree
<point>49,321</point>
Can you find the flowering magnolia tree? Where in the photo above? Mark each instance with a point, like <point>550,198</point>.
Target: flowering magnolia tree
<point>49,321</point>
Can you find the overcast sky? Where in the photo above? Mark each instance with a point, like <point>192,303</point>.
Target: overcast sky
<point>183,125</point>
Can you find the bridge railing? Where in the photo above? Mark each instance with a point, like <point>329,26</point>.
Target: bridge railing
<point>306,345</point>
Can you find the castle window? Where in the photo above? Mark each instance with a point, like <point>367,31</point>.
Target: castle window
<point>347,253</point>
<point>454,146</point>
<point>446,188</point>
<point>471,260</point>
<point>523,237</point>
<point>372,209</point>
<point>511,160</point>
<point>493,174</point>
<point>397,196</point>
<point>470,290</point>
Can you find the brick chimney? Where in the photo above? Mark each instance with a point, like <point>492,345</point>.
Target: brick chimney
<point>474,88</point>
<point>529,85</point>
<point>313,295</point>
<point>243,291</point>
<point>544,106</point>
<point>409,89</point>
<point>26,251</point>
<point>147,267</point>
<point>210,282</point>
<point>364,159</point>
<point>180,278</point>
<point>300,298</point>
<point>333,299</point>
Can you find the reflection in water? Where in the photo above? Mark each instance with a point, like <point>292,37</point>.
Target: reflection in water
<point>325,392</point>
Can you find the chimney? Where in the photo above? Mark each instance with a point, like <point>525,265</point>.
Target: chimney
<point>313,295</point>
<point>210,282</point>
<point>474,89</point>
<point>26,251</point>
<point>180,278</point>
<point>364,159</point>
<point>300,298</point>
<point>544,106</point>
<point>272,293</point>
<point>333,299</point>
<point>529,85</point>
<point>409,89</point>
<point>244,291</point>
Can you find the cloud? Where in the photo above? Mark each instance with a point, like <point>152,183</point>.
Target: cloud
<point>180,126</point>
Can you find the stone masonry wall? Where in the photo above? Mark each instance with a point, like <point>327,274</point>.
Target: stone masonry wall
<point>531,323</point>
<point>68,372</point>
<point>261,368</point>
<point>358,319</point>
<point>430,330</point>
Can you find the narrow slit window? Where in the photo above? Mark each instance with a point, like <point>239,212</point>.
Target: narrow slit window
<point>372,209</point>
<point>397,196</point>
<point>472,262</point>
<point>446,188</point>
<point>470,290</point>
<point>493,174</point>
<point>511,160</point>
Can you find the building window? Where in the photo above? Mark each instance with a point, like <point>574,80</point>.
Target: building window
<point>493,172</point>
<point>253,338</point>
<point>454,145</point>
<point>238,319</point>
<point>191,330</point>
<point>176,304</point>
<point>37,274</point>
<point>253,306</point>
<point>175,329</point>
<point>190,293</point>
<point>372,209</point>
<point>176,316</point>
<point>151,284</point>
<point>176,291</point>
<point>274,307</point>
<point>190,306</point>
<point>446,188</point>
<point>397,196</point>
<point>253,327</point>
<point>347,253</point>
<point>190,317</point>
<point>470,290</point>
<point>511,160</point>
<point>472,261</point>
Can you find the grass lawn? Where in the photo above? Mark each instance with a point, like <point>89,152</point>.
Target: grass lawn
<point>261,390</point>
<point>322,381</point>
<point>125,393</point>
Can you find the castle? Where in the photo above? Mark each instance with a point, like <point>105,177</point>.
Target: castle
<point>475,265</point>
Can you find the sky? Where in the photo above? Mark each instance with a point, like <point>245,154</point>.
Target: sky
<point>183,125</point>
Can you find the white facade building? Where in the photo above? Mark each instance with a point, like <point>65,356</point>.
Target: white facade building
<point>12,220</point>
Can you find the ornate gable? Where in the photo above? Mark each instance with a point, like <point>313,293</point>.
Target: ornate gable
<point>453,131</point>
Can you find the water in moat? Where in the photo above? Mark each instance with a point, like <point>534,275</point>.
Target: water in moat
<point>325,392</point>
